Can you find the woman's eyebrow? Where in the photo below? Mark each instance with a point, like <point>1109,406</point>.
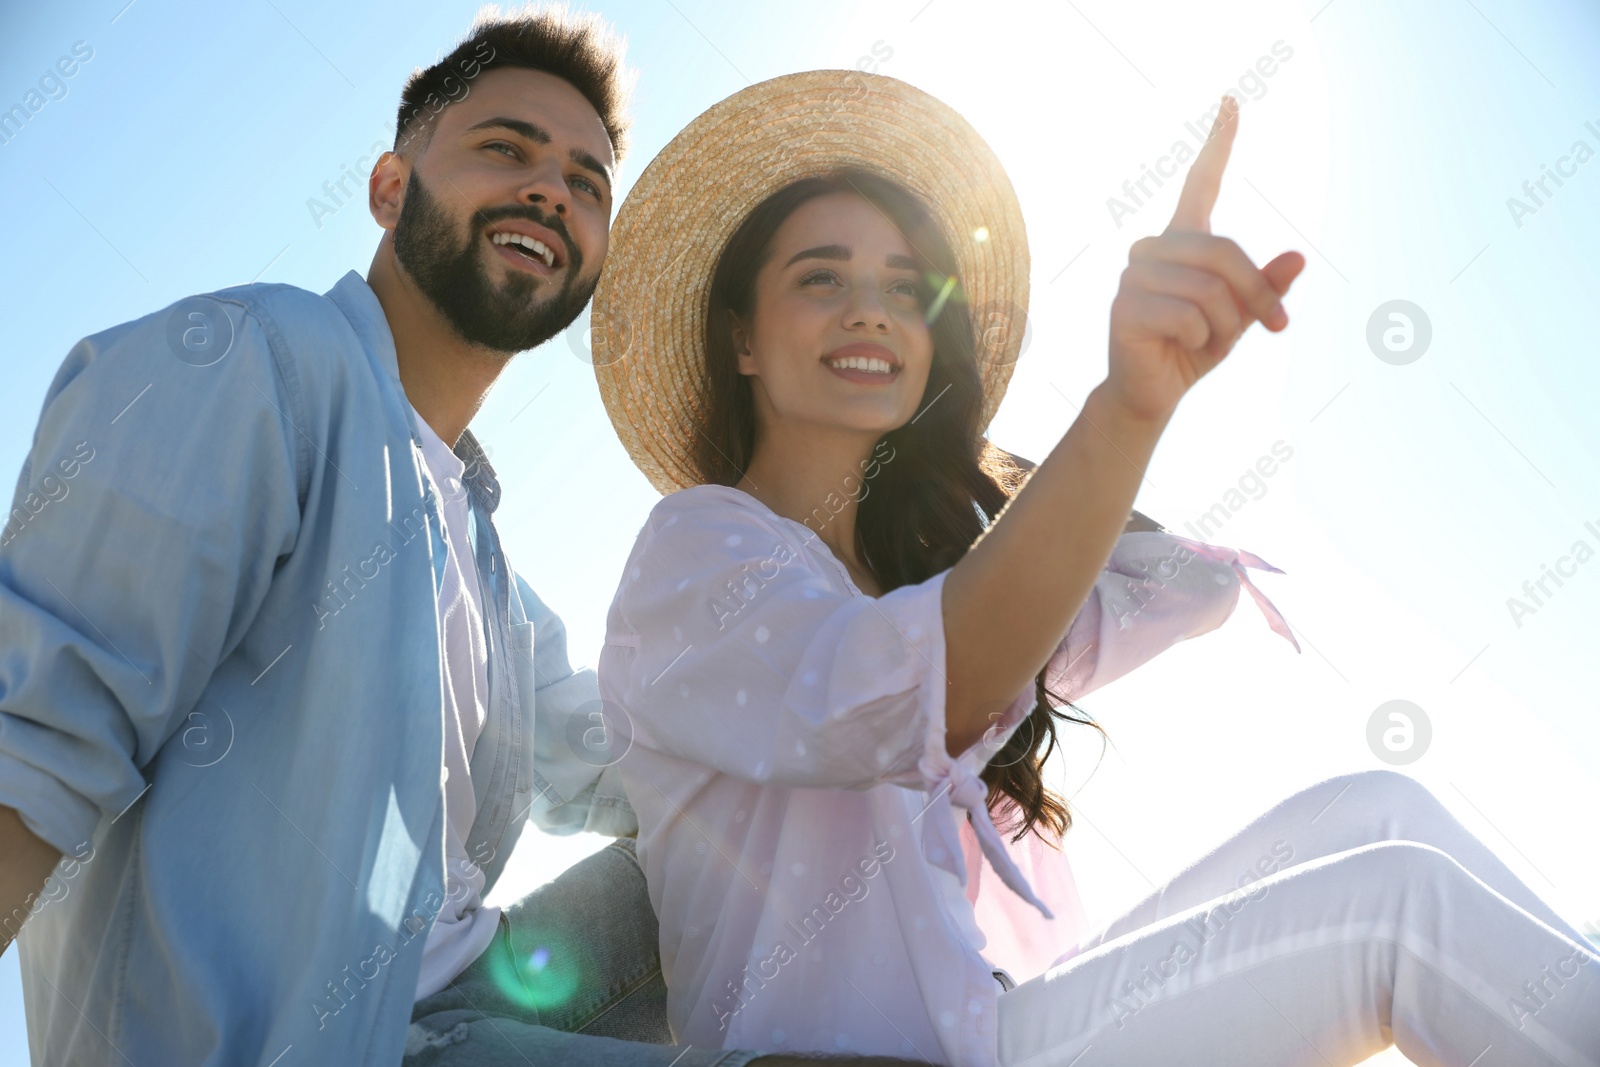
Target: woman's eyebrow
<point>820,252</point>
<point>894,260</point>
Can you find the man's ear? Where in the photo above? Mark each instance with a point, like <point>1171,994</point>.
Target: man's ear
<point>740,333</point>
<point>386,188</point>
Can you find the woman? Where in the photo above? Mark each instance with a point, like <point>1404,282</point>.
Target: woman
<point>847,625</point>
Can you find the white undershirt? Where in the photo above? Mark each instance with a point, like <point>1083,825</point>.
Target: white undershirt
<point>464,927</point>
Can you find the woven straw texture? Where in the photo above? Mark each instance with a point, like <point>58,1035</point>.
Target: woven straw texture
<point>647,320</point>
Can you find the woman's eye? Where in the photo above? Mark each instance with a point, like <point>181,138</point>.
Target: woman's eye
<point>819,276</point>
<point>908,288</point>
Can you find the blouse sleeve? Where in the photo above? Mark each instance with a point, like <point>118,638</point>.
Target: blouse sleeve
<point>1157,589</point>
<point>729,645</point>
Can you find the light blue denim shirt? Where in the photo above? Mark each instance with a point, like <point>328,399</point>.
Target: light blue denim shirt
<point>220,690</point>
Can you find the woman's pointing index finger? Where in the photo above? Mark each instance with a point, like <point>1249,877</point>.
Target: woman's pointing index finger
<point>1200,188</point>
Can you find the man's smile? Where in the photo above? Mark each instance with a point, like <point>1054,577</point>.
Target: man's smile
<point>528,246</point>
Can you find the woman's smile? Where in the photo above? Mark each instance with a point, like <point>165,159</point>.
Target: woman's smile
<point>864,362</point>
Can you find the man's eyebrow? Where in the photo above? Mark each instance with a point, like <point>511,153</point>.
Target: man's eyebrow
<point>536,134</point>
<point>820,252</point>
<point>539,135</point>
<point>587,161</point>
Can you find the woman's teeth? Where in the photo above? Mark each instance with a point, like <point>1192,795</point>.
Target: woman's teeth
<point>523,242</point>
<point>866,363</point>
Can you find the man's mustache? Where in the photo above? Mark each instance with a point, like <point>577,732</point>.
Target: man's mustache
<point>574,258</point>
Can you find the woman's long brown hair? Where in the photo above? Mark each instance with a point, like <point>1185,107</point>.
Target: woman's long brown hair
<point>943,484</point>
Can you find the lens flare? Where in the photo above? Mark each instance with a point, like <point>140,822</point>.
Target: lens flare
<point>547,977</point>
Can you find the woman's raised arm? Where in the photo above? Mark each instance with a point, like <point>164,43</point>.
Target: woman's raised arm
<point>1185,298</point>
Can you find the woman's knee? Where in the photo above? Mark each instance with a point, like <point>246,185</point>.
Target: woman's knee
<point>1382,794</point>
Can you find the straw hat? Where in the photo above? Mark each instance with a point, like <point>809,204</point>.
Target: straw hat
<point>648,317</point>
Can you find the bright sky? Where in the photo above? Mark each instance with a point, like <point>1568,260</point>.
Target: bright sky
<point>1384,141</point>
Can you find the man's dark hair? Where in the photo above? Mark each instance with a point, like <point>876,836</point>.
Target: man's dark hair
<point>579,49</point>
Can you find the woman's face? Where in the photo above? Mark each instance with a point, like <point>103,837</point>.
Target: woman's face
<point>836,335</point>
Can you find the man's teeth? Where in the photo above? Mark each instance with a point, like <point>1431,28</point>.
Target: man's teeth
<point>536,247</point>
<point>866,363</point>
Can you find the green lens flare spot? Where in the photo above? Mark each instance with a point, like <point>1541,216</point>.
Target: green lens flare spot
<point>940,300</point>
<point>546,978</point>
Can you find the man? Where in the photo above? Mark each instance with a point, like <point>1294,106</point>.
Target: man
<point>271,693</point>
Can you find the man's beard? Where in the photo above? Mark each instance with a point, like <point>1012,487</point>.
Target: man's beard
<point>510,318</point>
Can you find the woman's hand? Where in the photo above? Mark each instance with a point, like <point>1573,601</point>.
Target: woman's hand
<point>1186,295</point>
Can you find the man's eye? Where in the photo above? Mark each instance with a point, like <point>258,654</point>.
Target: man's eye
<point>510,149</point>
<point>589,185</point>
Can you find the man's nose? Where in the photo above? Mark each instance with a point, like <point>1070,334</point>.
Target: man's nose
<point>546,185</point>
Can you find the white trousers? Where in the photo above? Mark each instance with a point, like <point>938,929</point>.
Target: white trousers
<point>1370,917</point>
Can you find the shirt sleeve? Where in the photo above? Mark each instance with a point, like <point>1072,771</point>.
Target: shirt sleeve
<point>576,785</point>
<point>155,501</point>
<point>729,646</point>
<point>1156,589</point>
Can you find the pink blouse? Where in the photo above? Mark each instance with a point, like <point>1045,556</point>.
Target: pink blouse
<point>798,811</point>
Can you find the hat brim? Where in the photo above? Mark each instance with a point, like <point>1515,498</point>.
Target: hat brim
<point>647,321</point>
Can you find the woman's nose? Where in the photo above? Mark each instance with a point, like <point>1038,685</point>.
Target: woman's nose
<point>867,311</point>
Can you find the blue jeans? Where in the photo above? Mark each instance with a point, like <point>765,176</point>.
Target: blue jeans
<point>572,977</point>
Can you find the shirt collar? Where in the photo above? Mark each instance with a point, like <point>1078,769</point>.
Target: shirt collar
<point>361,306</point>
<point>478,474</point>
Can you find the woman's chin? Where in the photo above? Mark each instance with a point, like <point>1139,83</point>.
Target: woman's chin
<point>867,424</point>
<point>864,413</point>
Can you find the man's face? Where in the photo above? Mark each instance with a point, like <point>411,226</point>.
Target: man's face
<point>505,219</point>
